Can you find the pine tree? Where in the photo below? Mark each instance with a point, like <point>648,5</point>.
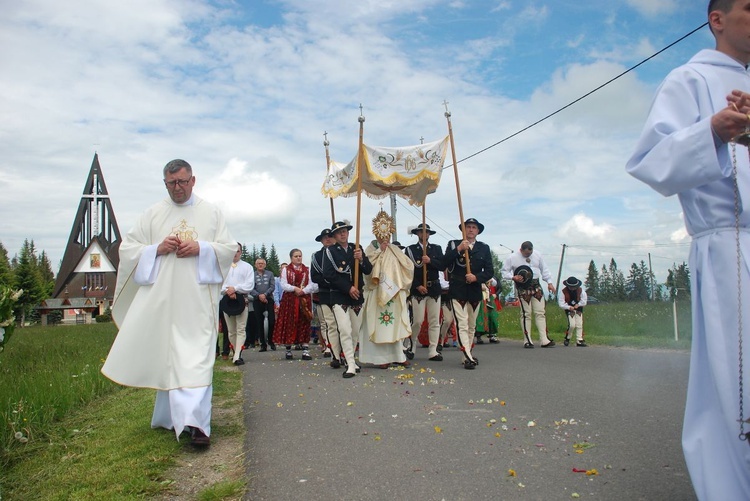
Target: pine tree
<point>592,280</point>
<point>247,257</point>
<point>28,278</point>
<point>605,285</point>
<point>273,262</point>
<point>678,281</point>
<point>47,275</point>
<point>6,273</point>
<point>618,282</point>
<point>263,253</point>
<point>637,284</point>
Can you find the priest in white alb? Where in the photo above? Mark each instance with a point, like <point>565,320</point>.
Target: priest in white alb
<point>172,266</point>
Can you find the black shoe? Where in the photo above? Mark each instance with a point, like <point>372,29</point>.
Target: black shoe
<point>348,375</point>
<point>326,354</point>
<point>582,344</point>
<point>446,344</point>
<point>549,345</point>
<point>528,345</point>
<point>437,358</point>
<point>479,341</point>
<point>263,348</point>
<point>439,348</point>
<point>409,354</point>
<point>494,340</point>
<point>306,355</point>
<point>335,364</point>
<point>289,355</point>
<point>239,361</point>
<point>469,364</point>
<point>198,438</point>
<point>566,341</point>
<point>272,346</point>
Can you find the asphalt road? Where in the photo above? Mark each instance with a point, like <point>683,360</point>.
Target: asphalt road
<point>515,428</point>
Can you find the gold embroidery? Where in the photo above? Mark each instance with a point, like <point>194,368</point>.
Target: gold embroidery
<point>184,232</point>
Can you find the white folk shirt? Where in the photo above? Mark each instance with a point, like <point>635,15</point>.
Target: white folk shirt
<point>241,277</point>
<point>534,261</point>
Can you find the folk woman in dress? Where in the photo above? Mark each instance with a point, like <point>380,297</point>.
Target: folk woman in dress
<point>295,310</point>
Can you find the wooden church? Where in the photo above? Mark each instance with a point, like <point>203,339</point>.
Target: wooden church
<point>85,284</point>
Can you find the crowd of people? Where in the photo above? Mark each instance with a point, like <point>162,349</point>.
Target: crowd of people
<point>378,303</point>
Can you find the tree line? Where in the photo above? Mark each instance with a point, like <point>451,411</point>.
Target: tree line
<point>609,283</point>
<point>30,271</point>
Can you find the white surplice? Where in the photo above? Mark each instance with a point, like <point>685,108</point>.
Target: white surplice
<point>679,154</point>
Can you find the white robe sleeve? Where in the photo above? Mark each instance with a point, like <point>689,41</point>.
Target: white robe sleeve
<point>677,150</point>
<point>209,271</point>
<point>148,266</point>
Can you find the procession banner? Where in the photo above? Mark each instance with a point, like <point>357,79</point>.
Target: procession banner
<point>411,172</point>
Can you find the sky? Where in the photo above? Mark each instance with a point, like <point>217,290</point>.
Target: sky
<point>245,90</point>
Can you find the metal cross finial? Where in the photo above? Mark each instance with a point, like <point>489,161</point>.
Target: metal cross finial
<point>325,140</point>
<point>360,109</point>
<point>447,113</point>
<point>361,118</point>
<point>421,140</point>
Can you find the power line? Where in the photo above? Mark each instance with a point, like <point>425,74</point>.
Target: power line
<point>582,97</point>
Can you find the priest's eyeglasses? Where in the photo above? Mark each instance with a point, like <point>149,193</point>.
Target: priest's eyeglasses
<point>175,182</point>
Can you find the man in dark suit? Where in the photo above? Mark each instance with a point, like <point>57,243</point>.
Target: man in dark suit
<point>322,301</point>
<point>425,291</point>
<point>465,290</point>
<point>345,299</point>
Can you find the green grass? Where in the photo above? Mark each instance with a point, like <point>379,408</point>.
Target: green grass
<point>47,372</point>
<point>638,325</point>
<point>86,437</point>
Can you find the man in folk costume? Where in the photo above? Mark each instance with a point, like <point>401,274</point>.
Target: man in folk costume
<point>323,311</point>
<point>465,288</point>
<point>172,266</point>
<point>239,282</point>
<point>345,299</point>
<point>425,298</point>
<point>525,269</point>
<point>446,310</point>
<point>572,299</point>
<point>687,149</point>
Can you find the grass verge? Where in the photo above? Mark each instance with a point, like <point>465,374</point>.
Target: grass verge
<point>102,447</point>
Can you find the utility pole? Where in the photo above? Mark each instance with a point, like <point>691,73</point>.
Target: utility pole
<point>559,270</point>
<point>651,277</point>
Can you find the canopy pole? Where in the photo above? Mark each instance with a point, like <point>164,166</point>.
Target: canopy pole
<point>328,169</point>
<point>458,185</point>
<point>360,166</point>
<point>424,246</point>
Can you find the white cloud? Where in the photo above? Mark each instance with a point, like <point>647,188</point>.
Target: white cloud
<point>650,8</point>
<point>581,228</point>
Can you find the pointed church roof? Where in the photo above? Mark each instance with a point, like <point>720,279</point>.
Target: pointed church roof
<point>95,224</point>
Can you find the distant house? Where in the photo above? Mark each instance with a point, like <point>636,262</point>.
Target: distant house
<point>85,284</point>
